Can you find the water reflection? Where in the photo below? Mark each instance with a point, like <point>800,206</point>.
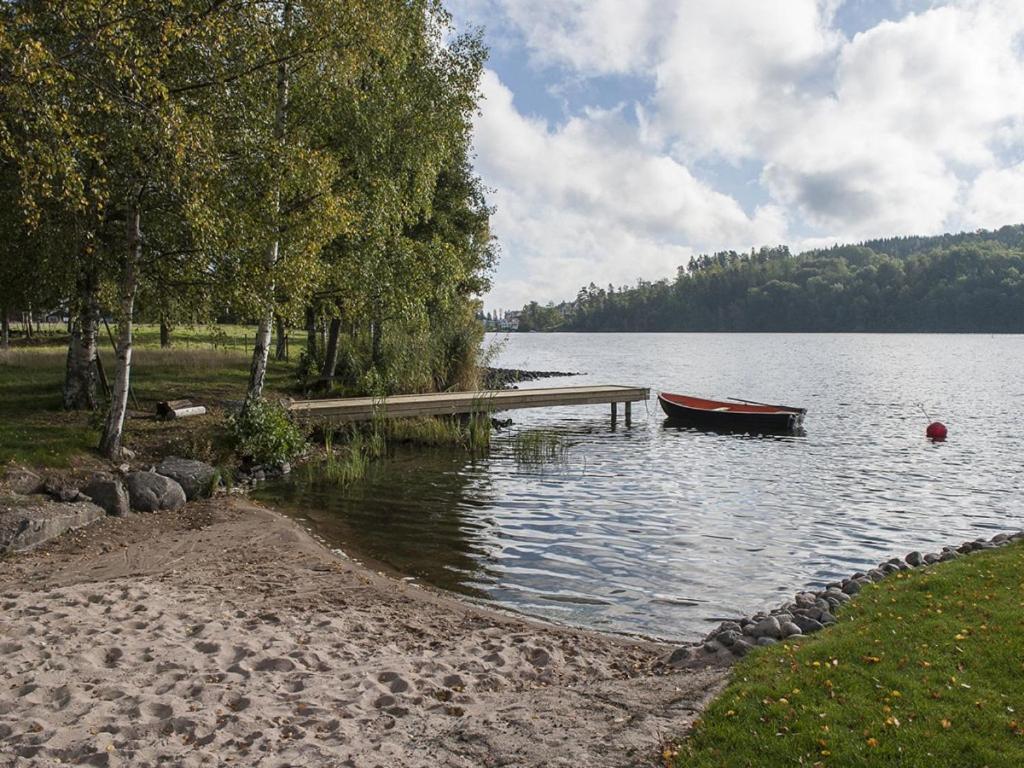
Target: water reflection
<point>385,516</point>
<point>658,528</point>
<point>740,431</point>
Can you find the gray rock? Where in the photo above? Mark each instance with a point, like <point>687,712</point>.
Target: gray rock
<point>28,523</point>
<point>875,575</point>
<point>790,628</point>
<point>887,568</point>
<point>827,618</point>
<point>108,491</point>
<point>768,627</point>
<point>58,491</point>
<point>711,647</point>
<point>766,640</point>
<point>741,647</point>
<point>732,626</point>
<point>195,477</point>
<point>851,587</point>
<point>805,599</point>
<point>678,657</point>
<point>783,616</point>
<point>950,555</point>
<point>23,481</point>
<point>150,492</point>
<point>807,624</point>
<point>999,538</point>
<point>915,559</point>
<point>286,468</point>
<point>931,557</point>
<point>727,638</point>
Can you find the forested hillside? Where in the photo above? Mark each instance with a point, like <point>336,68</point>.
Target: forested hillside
<point>970,282</point>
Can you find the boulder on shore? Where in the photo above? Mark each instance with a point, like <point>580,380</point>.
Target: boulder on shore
<point>27,523</point>
<point>23,481</point>
<point>108,492</point>
<point>195,477</point>
<point>150,492</point>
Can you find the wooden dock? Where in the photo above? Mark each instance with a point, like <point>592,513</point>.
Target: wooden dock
<point>348,409</point>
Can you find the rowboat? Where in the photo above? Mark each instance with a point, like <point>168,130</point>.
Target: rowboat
<point>741,414</point>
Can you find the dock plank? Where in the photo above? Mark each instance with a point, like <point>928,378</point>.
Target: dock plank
<point>455,403</point>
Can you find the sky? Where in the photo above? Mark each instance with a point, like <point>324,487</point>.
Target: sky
<point>620,137</point>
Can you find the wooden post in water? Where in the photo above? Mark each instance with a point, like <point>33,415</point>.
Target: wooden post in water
<point>615,413</point>
<point>629,415</point>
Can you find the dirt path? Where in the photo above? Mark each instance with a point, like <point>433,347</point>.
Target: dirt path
<point>224,634</point>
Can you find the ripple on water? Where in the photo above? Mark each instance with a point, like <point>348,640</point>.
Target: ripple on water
<point>657,530</point>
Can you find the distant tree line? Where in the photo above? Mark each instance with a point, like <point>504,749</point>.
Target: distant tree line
<point>291,162</point>
<point>970,282</point>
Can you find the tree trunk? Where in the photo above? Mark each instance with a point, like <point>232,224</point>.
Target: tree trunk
<point>113,429</point>
<point>376,344</point>
<point>80,370</point>
<point>26,323</point>
<point>281,349</point>
<point>331,353</point>
<point>261,349</point>
<point>165,334</point>
<point>260,353</point>
<point>311,333</point>
<point>5,330</point>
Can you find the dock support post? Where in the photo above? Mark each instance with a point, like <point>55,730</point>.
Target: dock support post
<point>629,415</point>
<point>615,414</point>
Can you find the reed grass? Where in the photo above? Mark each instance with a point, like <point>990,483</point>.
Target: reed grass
<point>539,447</point>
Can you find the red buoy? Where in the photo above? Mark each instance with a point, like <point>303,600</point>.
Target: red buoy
<point>936,431</point>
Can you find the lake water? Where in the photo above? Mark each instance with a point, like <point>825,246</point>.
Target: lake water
<point>659,530</point>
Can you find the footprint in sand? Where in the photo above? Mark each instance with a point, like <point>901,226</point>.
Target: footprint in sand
<point>273,664</point>
<point>538,657</point>
<point>237,702</point>
<point>158,710</point>
<point>394,682</point>
<point>207,647</point>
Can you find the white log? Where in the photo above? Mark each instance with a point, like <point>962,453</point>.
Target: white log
<point>184,413</point>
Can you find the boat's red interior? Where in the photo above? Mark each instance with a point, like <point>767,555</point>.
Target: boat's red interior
<point>718,405</point>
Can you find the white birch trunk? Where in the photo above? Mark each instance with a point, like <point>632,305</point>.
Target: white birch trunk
<point>113,429</point>
<point>261,349</point>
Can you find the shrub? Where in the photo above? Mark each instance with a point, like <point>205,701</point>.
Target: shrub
<point>264,433</point>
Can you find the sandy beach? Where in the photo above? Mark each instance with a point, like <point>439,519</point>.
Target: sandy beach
<point>225,634</point>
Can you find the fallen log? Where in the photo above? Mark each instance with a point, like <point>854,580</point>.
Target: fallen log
<point>184,413</point>
<point>178,409</point>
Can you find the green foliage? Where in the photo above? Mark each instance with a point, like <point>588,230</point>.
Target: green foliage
<point>265,433</point>
<point>923,669</point>
<point>971,282</point>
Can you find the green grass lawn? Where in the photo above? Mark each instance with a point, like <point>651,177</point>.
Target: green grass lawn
<point>36,431</point>
<point>925,668</point>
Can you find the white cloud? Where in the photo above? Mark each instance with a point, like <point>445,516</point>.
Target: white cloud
<point>734,72</point>
<point>587,201</point>
<point>904,127</point>
<point>996,198</point>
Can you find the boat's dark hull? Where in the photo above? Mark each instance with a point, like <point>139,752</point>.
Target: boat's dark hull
<point>730,420</point>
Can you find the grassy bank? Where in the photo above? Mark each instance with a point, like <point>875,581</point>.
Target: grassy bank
<point>35,430</point>
<point>923,669</point>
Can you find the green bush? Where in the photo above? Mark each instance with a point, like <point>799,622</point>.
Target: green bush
<point>264,433</point>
